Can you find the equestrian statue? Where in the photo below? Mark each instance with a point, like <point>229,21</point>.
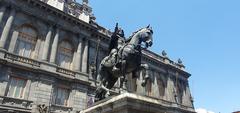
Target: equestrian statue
<point>124,58</point>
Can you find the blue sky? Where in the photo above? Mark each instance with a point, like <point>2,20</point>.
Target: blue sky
<point>205,34</point>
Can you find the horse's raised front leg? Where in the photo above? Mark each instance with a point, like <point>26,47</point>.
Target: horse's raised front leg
<point>146,77</point>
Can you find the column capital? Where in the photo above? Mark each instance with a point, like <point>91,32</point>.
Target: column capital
<point>56,26</point>
<point>13,7</point>
<point>80,40</point>
<point>2,12</point>
<point>6,5</point>
<point>57,30</point>
<point>50,24</point>
<point>3,7</point>
<point>50,27</point>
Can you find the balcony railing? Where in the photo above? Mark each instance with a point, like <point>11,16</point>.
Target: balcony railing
<point>60,108</point>
<point>15,102</point>
<point>32,62</point>
<point>66,71</point>
<point>22,59</point>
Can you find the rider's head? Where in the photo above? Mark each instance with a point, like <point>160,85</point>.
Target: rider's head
<point>120,32</point>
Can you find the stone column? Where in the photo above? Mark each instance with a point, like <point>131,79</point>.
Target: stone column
<point>140,88</point>
<point>13,41</point>
<point>7,27</point>
<point>170,90</point>
<point>85,58</point>
<point>4,80</point>
<point>78,57</point>
<point>46,44</point>
<point>156,92</point>
<point>54,47</point>
<point>2,11</point>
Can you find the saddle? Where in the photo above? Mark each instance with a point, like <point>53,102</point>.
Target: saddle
<point>117,56</point>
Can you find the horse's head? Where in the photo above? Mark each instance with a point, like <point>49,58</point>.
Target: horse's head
<point>146,36</point>
<point>142,35</point>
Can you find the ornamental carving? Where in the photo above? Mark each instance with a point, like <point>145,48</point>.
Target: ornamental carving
<point>42,108</point>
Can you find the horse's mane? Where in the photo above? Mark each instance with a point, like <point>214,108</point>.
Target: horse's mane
<point>130,37</point>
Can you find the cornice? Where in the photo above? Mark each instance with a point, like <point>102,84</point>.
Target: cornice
<point>159,61</point>
<point>99,31</point>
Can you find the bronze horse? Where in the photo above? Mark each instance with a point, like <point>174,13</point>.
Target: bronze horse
<point>129,61</point>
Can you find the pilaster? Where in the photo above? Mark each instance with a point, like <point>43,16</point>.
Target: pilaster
<point>156,92</point>
<point>2,12</point>
<point>85,57</point>
<point>46,44</point>
<point>13,41</point>
<point>54,47</point>
<point>170,90</point>
<point>78,57</point>
<point>7,27</point>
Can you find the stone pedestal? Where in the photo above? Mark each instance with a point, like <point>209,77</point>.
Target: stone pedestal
<point>133,103</point>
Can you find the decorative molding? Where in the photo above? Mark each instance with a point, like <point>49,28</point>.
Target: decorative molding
<point>66,71</point>
<point>42,108</point>
<point>60,108</point>
<point>15,102</point>
<point>21,59</point>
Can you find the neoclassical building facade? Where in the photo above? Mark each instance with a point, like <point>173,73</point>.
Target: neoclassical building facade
<point>47,48</point>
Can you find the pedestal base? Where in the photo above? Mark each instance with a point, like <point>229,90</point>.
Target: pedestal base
<point>133,103</point>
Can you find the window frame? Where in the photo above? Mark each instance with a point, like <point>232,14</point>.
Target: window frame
<point>67,91</point>
<point>22,90</point>
<point>26,39</point>
<point>65,55</point>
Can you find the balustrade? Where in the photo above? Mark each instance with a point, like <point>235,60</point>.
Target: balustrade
<point>22,59</point>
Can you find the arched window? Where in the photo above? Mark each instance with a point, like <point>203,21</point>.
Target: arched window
<point>65,55</point>
<point>26,41</point>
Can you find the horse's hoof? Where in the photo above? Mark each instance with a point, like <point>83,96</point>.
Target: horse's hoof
<point>107,94</point>
<point>143,84</point>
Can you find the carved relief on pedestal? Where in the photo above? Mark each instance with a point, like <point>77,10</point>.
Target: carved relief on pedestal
<point>42,108</point>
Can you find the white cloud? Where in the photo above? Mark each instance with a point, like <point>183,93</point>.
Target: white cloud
<point>201,110</point>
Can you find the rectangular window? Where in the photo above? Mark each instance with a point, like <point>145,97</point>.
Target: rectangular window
<point>62,95</point>
<point>16,87</point>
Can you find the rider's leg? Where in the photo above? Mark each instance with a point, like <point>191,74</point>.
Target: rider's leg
<point>116,67</point>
